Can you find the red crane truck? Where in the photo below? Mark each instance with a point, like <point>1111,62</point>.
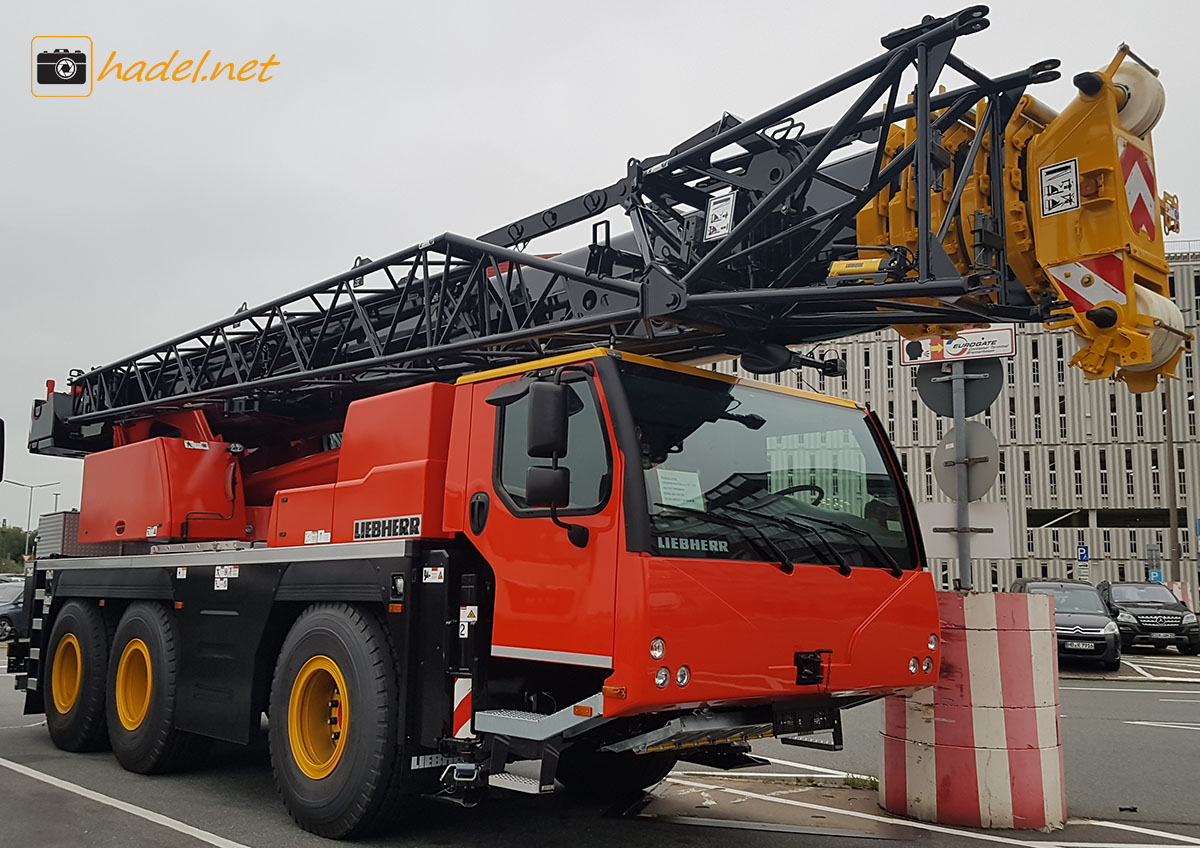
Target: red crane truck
<point>467,506</point>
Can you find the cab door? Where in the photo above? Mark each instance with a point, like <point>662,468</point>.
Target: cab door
<point>554,599</point>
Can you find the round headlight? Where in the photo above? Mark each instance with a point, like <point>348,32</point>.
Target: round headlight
<point>683,676</point>
<point>914,665</point>
<point>927,666</point>
<point>658,648</point>
<point>933,640</point>
<point>662,677</point>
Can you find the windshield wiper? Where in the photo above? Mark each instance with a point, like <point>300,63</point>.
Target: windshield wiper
<point>896,570</point>
<point>785,521</point>
<point>785,564</point>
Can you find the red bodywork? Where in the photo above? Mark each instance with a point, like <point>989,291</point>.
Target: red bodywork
<point>424,451</point>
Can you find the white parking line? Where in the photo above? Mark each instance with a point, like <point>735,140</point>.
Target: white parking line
<point>1170,725</point>
<point>123,806</point>
<point>1190,840</point>
<point>1136,691</point>
<point>854,814</point>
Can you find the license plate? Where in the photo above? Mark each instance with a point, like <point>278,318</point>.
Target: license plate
<point>1078,646</point>
<point>1162,635</point>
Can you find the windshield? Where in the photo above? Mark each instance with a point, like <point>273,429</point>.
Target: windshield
<point>728,464</point>
<point>1072,598</point>
<point>1143,593</point>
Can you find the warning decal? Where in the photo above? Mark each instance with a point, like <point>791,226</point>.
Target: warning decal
<point>1060,187</point>
<point>718,220</point>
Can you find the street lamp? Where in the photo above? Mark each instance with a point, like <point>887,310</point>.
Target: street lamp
<point>29,516</point>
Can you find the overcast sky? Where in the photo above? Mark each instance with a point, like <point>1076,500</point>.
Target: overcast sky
<point>146,210</point>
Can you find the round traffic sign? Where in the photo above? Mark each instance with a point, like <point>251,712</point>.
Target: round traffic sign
<point>981,472</point>
<point>981,388</point>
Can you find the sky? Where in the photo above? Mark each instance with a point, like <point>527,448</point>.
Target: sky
<point>149,209</point>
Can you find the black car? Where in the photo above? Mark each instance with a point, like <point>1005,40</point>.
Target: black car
<point>12,611</point>
<point>1150,614</point>
<point>1082,623</point>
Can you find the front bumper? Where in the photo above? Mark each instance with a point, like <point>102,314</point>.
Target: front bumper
<point>1105,648</point>
<point>1143,634</point>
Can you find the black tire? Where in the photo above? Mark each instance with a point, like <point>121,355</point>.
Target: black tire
<point>611,777</point>
<point>81,726</point>
<point>1111,665</point>
<point>351,783</point>
<point>150,744</point>
<point>6,629</point>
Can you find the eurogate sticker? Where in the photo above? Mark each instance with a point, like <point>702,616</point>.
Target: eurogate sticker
<point>396,527</point>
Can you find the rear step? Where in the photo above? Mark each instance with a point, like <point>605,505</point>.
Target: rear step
<point>519,783</point>
<point>538,727</point>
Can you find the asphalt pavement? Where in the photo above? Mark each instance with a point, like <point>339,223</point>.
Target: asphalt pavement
<point>1129,744</point>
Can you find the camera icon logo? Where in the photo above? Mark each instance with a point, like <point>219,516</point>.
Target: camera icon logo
<point>60,66</point>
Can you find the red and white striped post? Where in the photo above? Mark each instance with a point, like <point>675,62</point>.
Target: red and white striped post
<point>982,748</point>
<point>1185,591</point>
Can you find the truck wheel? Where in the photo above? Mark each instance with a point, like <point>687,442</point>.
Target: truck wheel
<point>608,776</point>
<point>334,721</point>
<point>142,693</point>
<point>77,663</point>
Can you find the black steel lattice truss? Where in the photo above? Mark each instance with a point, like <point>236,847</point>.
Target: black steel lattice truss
<point>452,304</point>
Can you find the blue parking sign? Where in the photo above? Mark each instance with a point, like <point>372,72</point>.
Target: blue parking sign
<point>1083,553</point>
<point>1156,577</point>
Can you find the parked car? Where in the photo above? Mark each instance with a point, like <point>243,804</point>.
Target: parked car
<point>1150,614</point>
<point>12,611</point>
<point>1082,622</point>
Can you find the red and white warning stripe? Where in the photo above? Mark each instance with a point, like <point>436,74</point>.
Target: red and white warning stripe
<point>1140,192</point>
<point>982,748</point>
<point>1092,281</point>
<point>462,708</point>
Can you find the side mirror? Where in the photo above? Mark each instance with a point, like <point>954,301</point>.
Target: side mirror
<point>547,434</point>
<point>548,486</point>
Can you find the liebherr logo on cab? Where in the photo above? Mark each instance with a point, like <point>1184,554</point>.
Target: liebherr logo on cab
<point>679,543</point>
<point>396,527</point>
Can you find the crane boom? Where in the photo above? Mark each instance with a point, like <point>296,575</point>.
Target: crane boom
<point>750,233</point>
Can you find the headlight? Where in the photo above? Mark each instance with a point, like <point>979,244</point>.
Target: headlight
<point>914,665</point>
<point>662,677</point>
<point>927,666</point>
<point>933,640</point>
<point>1189,618</point>
<point>657,648</point>
<point>683,676</point>
<point>1126,617</point>
<point>1111,628</point>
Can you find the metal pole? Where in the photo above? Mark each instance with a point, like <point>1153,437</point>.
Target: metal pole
<point>29,516</point>
<point>1172,485</point>
<point>56,497</point>
<point>958,385</point>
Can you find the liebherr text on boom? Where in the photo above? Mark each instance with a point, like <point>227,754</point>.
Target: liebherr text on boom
<point>468,504</point>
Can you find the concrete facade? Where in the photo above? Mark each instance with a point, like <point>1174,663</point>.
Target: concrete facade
<point>1067,445</point>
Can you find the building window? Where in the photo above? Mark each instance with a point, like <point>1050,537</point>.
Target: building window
<point>1062,417</point>
<point>1078,472</point>
<point>1121,573</point>
<point>1103,473</point>
<point>1003,475</point>
<point>938,427</point>
<point>1034,364</point>
<point>1108,543</point>
<point>915,423</point>
<point>1012,419</point>
<point>1180,471</point>
<point>1133,541</point>
<point>1129,472</point>
<point>1012,373</point>
<point>891,368</point>
<point>928,474</point>
<point>846,377</point>
<point>892,420</point>
<point>1037,418</point>
<point>1191,400</point>
<point>1019,570</point>
<point>1155,478</point>
<point>1138,422</point>
<point>1183,541</point>
<point>987,418</point>
<point>1187,365</point>
<point>867,369</point>
<point>1029,541</point>
<point>1052,472</point>
<point>904,464</point>
<point>1059,364</point>
<point>1055,548</point>
<point>1112,415</point>
<point>1028,476</point>
<point>1045,570</point>
<point>995,579</point>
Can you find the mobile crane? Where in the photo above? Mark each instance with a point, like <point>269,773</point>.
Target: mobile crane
<point>469,505</point>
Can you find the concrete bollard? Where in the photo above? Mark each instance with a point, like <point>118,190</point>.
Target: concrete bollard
<point>982,748</point>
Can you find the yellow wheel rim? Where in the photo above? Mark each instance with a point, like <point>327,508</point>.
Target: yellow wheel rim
<point>318,716</point>
<point>67,673</point>
<point>134,679</point>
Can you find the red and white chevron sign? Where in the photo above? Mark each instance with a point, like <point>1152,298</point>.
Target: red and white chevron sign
<point>1138,171</point>
<point>1092,281</point>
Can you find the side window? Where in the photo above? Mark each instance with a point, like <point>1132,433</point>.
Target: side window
<point>587,452</point>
